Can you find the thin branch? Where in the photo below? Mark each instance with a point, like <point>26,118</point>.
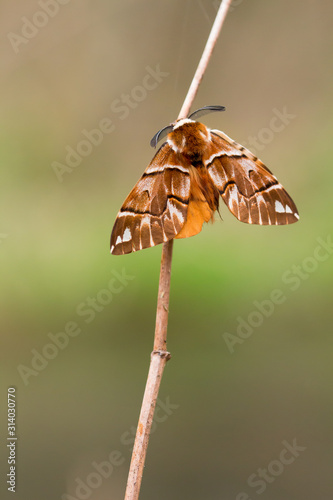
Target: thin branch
<point>160,355</point>
<point>206,55</point>
<point>158,360</point>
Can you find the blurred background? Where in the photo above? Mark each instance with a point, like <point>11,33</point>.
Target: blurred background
<point>245,408</point>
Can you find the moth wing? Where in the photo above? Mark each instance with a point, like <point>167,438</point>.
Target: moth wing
<point>155,210</point>
<point>248,188</point>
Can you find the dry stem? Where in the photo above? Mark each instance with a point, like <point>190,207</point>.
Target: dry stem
<point>160,356</point>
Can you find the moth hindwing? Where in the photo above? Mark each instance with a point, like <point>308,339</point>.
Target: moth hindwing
<point>180,189</point>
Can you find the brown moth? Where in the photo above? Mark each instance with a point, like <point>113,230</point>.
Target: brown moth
<point>180,188</point>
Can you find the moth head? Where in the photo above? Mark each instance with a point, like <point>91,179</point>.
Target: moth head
<point>187,136</point>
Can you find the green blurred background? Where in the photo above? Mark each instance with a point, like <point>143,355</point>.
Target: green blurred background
<point>231,412</point>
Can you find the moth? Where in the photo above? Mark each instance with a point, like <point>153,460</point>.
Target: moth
<point>181,187</point>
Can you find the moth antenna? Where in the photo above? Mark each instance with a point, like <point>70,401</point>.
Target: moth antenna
<point>205,110</point>
<point>159,135</point>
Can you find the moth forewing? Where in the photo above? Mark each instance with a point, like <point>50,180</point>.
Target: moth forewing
<point>156,208</point>
<point>249,189</point>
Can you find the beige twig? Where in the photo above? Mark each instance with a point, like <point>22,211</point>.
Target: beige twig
<point>160,355</point>
<point>206,55</point>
